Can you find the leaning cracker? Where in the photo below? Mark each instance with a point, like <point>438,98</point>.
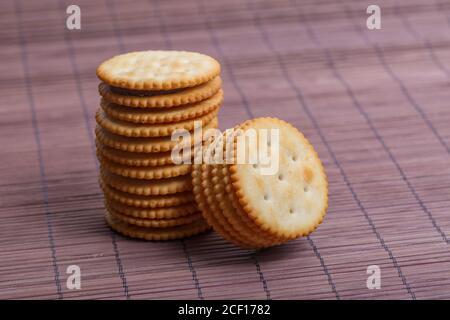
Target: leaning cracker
<point>161,99</point>
<point>147,187</point>
<point>169,201</point>
<point>214,193</point>
<point>216,211</point>
<point>210,184</point>
<point>240,224</point>
<point>230,197</point>
<point>156,234</point>
<point>154,213</point>
<point>293,201</point>
<point>148,131</point>
<point>158,70</point>
<point>210,211</point>
<point>156,116</point>
<point>148,173</point>
<point>154,223</point>
<point>144,145</point>
<point>212,219</point>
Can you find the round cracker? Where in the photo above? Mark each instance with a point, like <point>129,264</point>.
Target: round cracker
<point>208,214</point>
<point>292,202</point>
<point>166,100</point>
<point>146,130</point>
<point>156,116</point>
<point>230,197</point>
<point>158,70</point>
<point>156,234</point>
<point>234,231</point>
<point>212,189</point>
<point>240,222</point>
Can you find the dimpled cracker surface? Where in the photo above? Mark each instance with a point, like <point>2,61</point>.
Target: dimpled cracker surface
<point>293,201</point>
<point>158,70</point>
<point>245,225</point>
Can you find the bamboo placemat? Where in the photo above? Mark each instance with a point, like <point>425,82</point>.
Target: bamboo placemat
<point>373,103</point>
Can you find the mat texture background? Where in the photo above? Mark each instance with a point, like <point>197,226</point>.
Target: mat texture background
<point>375,104</point>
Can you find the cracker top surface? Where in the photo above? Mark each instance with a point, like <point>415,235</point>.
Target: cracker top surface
<point>293,200</point>
<point>158,70</point>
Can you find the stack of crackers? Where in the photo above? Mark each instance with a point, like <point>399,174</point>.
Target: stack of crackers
<point>146,97</point>
<point>263,203</point>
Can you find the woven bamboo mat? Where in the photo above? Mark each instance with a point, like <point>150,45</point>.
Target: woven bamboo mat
<point>373,103</point>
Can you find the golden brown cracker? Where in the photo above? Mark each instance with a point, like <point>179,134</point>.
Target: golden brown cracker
<point>154,213</point>
<point>158,70</point>
<point>147,173</point>
<point>164,100</point>
<point>156,234</point>
<point>244,227</point>
<point>141,145</point>
<point>170,201</point>
<point>136,159</point>
<point>230,197</point>
<point>155,223</point>
<point>283,203</point>
<point>129,129</point>
<point>212,219</point>
<point>157,116</point>
<point>147,187</point>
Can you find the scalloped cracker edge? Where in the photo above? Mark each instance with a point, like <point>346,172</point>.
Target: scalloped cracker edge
<point>156,234</point>
<point>129,129</point>
<point>169,100</point>
<point>141,145</point>
<point>156,116</point>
